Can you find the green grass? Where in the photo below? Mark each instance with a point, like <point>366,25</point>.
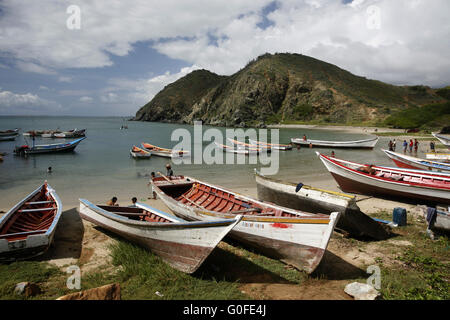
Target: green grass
<point>419,117</point>
<point>36,272</point>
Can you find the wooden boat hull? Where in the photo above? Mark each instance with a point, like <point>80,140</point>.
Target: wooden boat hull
<point>404,161</point>
<point>300,240</point>
<point>282,147</point>
<point>364,144</point>
<point>353,181</point>
<point>244,151</point>
<point>51,148</point>
<point>139,153</point>
<point>183,245</point>
<point>315,200</point>
<point>24,234</point>
<point>438,156</point>
<point>8,138</point>
<point>8,133</point>
<point>163,152</point>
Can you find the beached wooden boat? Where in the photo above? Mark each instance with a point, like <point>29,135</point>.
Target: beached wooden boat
<point>309,199</point>
<point>27,229</point>
<point>367,143</point>
<point>139,153</point>
<point>274,146</point>
<point>243,145</point>
<point>74,133</point>
<point>48,148</point>
<point>295,237</point>
<point>246,151</point>
<point>389,182</point>
<point>8,133</point>
<point>405,161</point>
<point>183,245</point>
<point>440,156</point>
<point>163,152</point>
<point>443,139</point>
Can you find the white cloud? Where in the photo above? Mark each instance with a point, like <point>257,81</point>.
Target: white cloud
<point>109,97</point>
<point>28,103</point>
<point>86,99</point>
<point>35,68</point>
<point>64,79</point>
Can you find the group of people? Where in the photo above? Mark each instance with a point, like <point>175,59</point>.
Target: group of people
<point>411,144</point>
<point>169,173</point>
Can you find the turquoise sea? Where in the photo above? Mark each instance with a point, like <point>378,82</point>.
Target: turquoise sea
<point>101,165</point>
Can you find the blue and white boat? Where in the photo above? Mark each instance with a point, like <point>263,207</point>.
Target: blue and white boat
<point>47,148</point>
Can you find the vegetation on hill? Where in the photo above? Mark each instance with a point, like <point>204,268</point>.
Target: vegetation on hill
<point>426,117</point>
<point>282,88</point>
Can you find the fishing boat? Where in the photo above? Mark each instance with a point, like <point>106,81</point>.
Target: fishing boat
<point>295,237</point>
<point>139,153</point>
<point>163,152</point>
<point>389,182</point>
<point>441,156</point>
<point>74,133</point>
<point>7,133</point>
<point>443,139</point>
<point>27,230</point>
<point>48,148</point>
<point>183,245</point>
<point>405,161</point>
<point>367,144</point>
<point>309,199</point>
<point>275,146</point>
<point>246,151</point>
<point>243,145</point>
<point>8,138</point>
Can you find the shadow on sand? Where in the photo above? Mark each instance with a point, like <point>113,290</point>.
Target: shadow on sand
<point>68,237</point>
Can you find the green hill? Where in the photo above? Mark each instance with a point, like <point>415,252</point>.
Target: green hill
<point>283,88</point>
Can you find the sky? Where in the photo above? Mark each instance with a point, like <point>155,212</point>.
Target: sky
<point>110,57</point>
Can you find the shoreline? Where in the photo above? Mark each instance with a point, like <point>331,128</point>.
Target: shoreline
<point>352,129</point>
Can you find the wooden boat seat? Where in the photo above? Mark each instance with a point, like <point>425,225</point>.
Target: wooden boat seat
<point>38,202</point>
<point>35,210</point>
<point>20,233</point>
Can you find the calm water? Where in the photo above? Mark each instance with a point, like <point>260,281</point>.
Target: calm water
<point>101,165</point>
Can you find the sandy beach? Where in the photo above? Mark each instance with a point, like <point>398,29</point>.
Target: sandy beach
<point>350,129</point>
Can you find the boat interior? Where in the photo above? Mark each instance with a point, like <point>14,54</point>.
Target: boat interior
<point>135,213</point>
<point>34,217</point>
<point>206,197</point>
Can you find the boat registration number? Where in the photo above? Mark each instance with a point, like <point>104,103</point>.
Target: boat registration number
<point>253,225</point>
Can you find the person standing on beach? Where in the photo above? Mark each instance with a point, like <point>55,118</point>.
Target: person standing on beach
<point>416,145</point>
<point>304,137</point>
<point>332,154</point>
<point>390,145</point>
<point>393,145</point>
<point>169,170</point>
<point>405,146</point>
<point>152,176</point>
<point>133,202</point>
<point>411,144</point>
<point>432,146</point>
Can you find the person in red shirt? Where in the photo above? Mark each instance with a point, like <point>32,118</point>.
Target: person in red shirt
<point>411,143</point>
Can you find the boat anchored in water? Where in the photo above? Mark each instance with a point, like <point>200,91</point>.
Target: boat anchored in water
<point>405,161</point>
<point>366,144</point>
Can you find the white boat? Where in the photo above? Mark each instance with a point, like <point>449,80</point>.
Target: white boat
<point>310,199</point>
<point>367,143</point>
<point>7,133</point>
<point>405,161</point>
<point>438,156</point>
<point>389,182</point>
<point>246,151</point>
<point>243,145</point>
<point>275,146</point>
<point>8,138</point>
<point>183,245</point>
<point>27,230</point>
<point>443,139</point>
<point>139,153</point>
<point>292,236</point>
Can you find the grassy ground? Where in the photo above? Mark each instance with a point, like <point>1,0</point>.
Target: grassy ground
<point>418,270</point>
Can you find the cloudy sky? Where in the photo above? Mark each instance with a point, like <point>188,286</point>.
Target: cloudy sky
<point>109,57</point>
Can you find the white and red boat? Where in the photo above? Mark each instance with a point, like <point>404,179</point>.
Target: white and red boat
<point>405,161</point>
<point>392,182</point>
<point>295,237</point>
